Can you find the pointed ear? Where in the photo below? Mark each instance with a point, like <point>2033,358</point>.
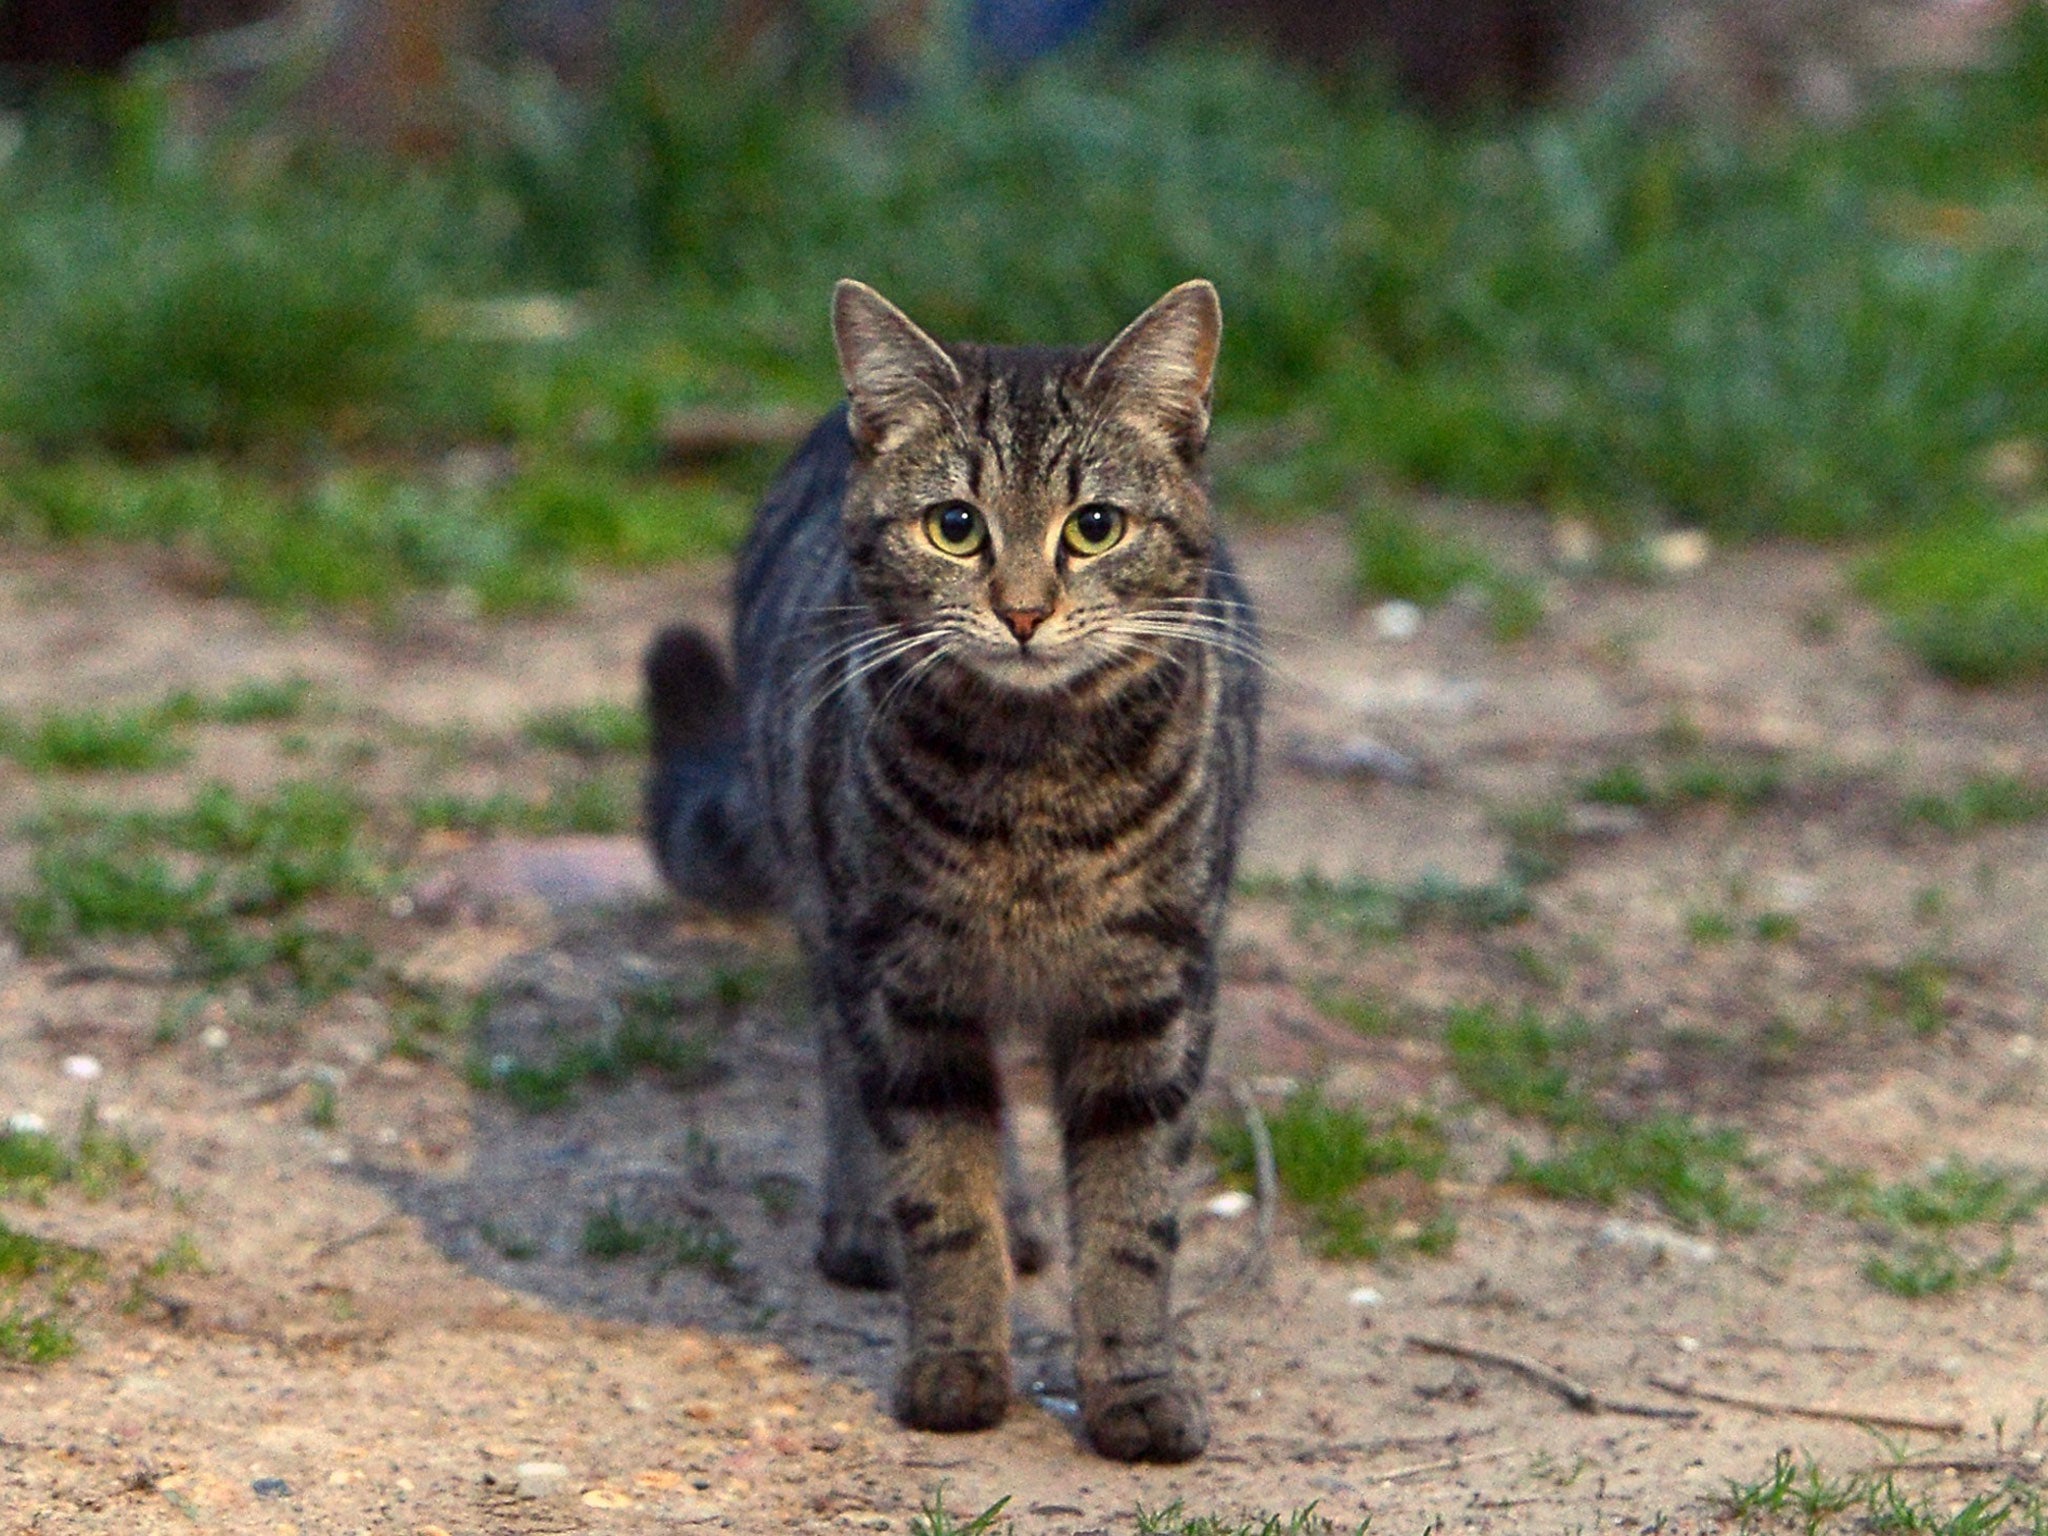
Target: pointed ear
<point>1157,373</point>
<point>896,376</point>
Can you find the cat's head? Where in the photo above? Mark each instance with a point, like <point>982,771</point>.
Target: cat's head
<point>1034,513</point>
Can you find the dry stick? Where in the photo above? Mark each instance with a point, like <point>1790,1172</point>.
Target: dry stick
<point>1444,1465</point>
<point>1803,1411</point>
<point>1576,1393</point>
<point>1254,1266</point>
<point>1265,1180</point>
<point>2014,1465</point>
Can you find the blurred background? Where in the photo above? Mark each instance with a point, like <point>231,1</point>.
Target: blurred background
<point>348,298</point>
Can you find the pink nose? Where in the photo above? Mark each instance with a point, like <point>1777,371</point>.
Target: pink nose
<point>1023,622</point>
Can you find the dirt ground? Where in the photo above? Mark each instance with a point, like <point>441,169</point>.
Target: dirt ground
<point>395,1311</point>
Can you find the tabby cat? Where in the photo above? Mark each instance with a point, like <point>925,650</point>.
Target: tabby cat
<point>989,746</point>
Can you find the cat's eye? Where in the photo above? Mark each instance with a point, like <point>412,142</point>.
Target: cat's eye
<point>1094,528</point>
<point>955,529</point>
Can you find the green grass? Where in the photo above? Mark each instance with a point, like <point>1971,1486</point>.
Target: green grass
<point>591,730</point>
<point>34,1338</point>
<point>592,799</point>
<point>698,1244</point>
<point>223,883</point>
<point>99,1160</point>
<point>1919,1223</point>
<point>648,1038</point>
<point>1370,911</point>
<point>1798,1496</point>
<point>1970,599</point>
<point>1683,779</point>
<point>1338,1165</point>
<point>1174,1520</point>
<point>1398,557</point>
<point>1983,800</point>
<point>1544,1072</point>
<point>1812,329</point>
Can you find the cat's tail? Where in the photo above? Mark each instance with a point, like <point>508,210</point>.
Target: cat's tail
<point>700,816</point>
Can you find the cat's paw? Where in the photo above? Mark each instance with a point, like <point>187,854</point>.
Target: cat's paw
<point>1157,1420</point>
<point>859,1251</point>
<point>953,1390</point>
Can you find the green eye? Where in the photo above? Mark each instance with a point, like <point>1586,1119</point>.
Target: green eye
<point>955,528</point>
<point>1094,528</point>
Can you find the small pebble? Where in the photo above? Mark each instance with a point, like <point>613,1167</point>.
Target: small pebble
<point>1397,619</point>
<point>214,1038</point>
<point>26,1122</point>
<point>1680,551</point>
<point>271,1488</point>
<point>85,1068</point>
<point>1661,1241</point>
<point>541,1479</point>
<point>1229,1205</point>
<point>1365,1296</point>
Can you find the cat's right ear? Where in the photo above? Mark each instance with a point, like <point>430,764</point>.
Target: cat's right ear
<point>897,378</point>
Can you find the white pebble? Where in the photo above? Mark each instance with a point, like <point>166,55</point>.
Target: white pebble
<point>541,1479</point>
<point>1660,1241</point>
<point>1397,619</point>
<point>1678,552</point>
<point>1365,1296</point>
<point>26,1122</point>
<point>214,1037</point>
<point>1229,1205</point>
<point>85,1068</point>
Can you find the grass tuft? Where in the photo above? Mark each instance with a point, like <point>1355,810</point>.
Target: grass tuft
<point>702,1243</point>
<point>1365,1185</point>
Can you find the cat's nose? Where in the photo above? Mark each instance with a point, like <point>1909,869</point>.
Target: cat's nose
<point>1023,622</point>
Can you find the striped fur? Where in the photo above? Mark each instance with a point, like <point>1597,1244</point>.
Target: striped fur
<point>977,834</point>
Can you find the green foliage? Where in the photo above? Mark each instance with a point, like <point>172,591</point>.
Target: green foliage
<point>933,1520</point>
<point>1799,1496</point>
<point>1685,778</point>
<point>1539,1071</point>
<point>1368,911</point>
<point>1174,1520</point>
<point>1325,1155</point>
<point>1970,599</point>
<point>34,1338</point>
<point>98,1162</point>
<point>698,1244</point>
<point>1983,800</point>
<point>1918,1222</point>
<point>648,1038</point>
<point>590,730</point>
<point>222,882</point>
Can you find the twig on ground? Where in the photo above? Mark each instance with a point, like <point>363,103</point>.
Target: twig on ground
<point>334,1245</point>
<point>1575,1393</point>
<point>1265,1182</point>
<point>1445,1464</point>
<point>1254,1266</point>
<point>1869,1420</point>
<point>2013,1466</point>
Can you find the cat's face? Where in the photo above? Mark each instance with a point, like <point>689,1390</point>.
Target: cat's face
<point>1030,514</point>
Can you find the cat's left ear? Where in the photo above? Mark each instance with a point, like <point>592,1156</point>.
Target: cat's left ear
<point>896,376</point>
<point>1159,370</point>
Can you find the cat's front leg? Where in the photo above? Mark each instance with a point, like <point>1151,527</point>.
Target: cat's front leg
<point>1123,1083</point>
<point>929,1086</point>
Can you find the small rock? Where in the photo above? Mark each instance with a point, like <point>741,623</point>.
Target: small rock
<point>86,1069</point>
<point>1682,550</point>
<point>1641,1237</point>
<point>1365,1296</point>
<point>1356,757</point>
<point>607,1498</point>
<point>26,1122</point>
<point>1229,1205</point>
<point>271,1488</point>
<point>541,1479</point>
<point>1397,619</point>
<point>214,1038</point>
<point>1574,544</point>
